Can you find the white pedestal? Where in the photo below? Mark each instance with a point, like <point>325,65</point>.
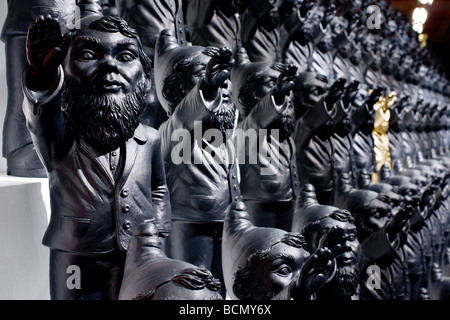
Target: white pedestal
<point>24,261</point>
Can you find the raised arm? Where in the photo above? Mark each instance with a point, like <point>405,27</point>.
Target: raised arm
<point>42,83</point>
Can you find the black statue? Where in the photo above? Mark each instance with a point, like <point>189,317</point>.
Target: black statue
<point>200,162</point>
<point>269,181</point>
<point>84,94</point>
<point>313,221</point>
<point>18,149</point>
<point>263,263</point>
<point>150,275</point>
<point>382,236</point>
<point>318,109</point>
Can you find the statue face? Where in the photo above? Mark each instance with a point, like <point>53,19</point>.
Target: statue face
<point>362,95</point>
<point>104,62</point>
<point>343,234</point>
<point>263,84</point>
<point>281,266</point>
<point>313,19</point>
<point>369,43</point>
<point>337,25</point>
<point>377,215</point>
<point>314,91</point>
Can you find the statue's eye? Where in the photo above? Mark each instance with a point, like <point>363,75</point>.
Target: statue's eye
<point>126,57</point>
<point>283,270</point>
<point>87,55</point>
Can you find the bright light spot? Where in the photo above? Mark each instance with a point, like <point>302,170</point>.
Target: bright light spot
<point>420,15</point>
<point>418,27</point>
<point>429,2</point>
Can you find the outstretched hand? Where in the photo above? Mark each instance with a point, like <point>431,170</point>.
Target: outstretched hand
<point>318,269</point>
<point>218,70</point>
<point>375,96</point>
<point>285,83</point>
<point>336,91</point>
<point>46,49</point>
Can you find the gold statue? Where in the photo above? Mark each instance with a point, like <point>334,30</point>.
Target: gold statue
<point>381,127</point>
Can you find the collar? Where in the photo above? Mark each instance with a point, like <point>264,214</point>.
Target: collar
<point>140,134</point>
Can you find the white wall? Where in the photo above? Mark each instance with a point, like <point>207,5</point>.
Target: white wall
<point>3,91</point>
<point>24,215</point>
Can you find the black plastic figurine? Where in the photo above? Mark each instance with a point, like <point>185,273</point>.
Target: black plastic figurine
<point>313,221</point>
<point>84,94</point>
<point>269,181</point>
<point>263,263</point>
<point>200,161</point>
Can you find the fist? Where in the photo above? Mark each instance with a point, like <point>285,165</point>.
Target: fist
<point>218,69</point>
<point>285,83</point>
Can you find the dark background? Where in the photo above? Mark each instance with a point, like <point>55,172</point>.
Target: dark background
<point>437,26</point>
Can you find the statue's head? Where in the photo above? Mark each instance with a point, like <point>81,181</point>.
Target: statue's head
<point>180,69</point>
<point>310,88</point>
<point>260,261</point>
<point>372,211</point>
<point>252,81</point>
<point>314,221</point>
<point>150,275</point>
<point>313,19</point>
<point>106,80</point>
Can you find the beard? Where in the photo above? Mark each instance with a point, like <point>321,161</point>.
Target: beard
<point>285,124</point>
<point>229,7</point>
<point>325,45</point>
<point>270,21</point>
<point>343,285</point>
<point>223,120</point>
<point>103,121</point>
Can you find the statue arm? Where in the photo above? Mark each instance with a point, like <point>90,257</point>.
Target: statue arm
<point>377,246</point>
<point>160,192</point>
<point>264,113</point>
<point>312,120</point>
<point>194,107</point>
<point>45,121</point>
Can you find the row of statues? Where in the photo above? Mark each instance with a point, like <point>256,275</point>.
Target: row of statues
<point>249,150</point>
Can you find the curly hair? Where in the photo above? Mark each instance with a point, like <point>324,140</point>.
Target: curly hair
<point>247,285</point>
<point>190,278</point>
<point>174,90</point>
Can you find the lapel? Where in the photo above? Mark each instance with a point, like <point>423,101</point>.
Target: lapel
<point>97,160</point>
<point>131,150</point>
